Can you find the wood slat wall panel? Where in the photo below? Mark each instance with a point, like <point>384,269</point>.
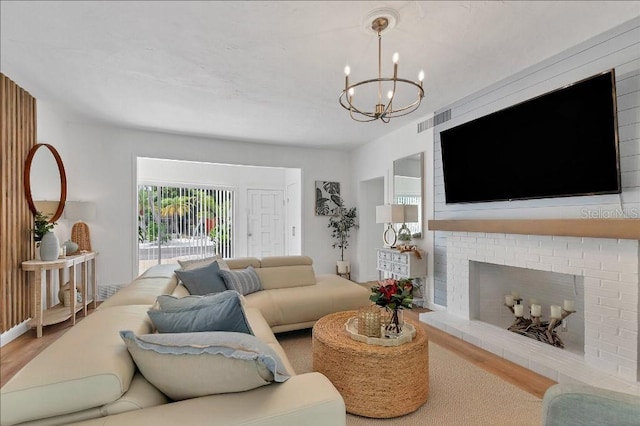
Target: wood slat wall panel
<point>18,134</point>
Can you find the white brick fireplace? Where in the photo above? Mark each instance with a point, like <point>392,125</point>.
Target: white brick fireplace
<point>608,271</point>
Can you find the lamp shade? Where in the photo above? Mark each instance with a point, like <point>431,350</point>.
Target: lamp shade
<point>410,213</point>
<point>390,213</point>
<point>80,210</point>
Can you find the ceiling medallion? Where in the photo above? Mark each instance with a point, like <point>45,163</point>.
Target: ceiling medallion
<point>356,104</point>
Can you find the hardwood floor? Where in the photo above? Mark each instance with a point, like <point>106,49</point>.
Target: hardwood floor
<point>523,378</point>
<point>17,353</point>
<point>14,355</point>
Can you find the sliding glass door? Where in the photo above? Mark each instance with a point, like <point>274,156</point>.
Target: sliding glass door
<point>179,222</point>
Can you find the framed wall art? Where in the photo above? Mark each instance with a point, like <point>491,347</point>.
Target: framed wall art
<point>327,198</point>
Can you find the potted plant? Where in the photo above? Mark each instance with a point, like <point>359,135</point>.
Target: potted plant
<point>340,225</point>
<point>47,245</point>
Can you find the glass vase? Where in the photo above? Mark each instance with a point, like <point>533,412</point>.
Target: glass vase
<point>393,328</point>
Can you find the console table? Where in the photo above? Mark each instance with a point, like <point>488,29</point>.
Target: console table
<point>403,265</point>
<point>42,282</point>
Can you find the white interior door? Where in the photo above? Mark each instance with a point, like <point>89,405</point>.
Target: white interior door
<point>266,223</point>
<point>293,228</point>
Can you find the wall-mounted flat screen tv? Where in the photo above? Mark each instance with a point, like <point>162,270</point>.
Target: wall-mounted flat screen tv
<point>562,143</point>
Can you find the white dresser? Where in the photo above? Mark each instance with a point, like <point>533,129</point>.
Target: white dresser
<point>393,263</point>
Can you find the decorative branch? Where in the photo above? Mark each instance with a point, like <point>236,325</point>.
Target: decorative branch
<point>535,328</point>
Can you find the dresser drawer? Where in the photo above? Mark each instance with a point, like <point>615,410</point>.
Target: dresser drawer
<point>384,255</point>
<point>401,258</point>
<point>400,269</point>
<point>383,265</point>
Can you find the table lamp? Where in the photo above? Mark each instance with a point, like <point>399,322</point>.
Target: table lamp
<point>80,211</point>
<point>409,215</point>
<point>389,214</point>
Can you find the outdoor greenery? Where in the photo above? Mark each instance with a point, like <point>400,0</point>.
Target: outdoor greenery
<point>340,225</point>
<point>166,213</point>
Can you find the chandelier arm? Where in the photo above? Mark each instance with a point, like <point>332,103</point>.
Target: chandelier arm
<point>409,109</point>
<point>352,109</point>
<point>390,114</point>
<point>389,108</point>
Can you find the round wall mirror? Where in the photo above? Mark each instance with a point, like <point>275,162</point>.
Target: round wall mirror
<point>45,179</point>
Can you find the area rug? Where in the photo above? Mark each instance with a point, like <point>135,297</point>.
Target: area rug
<point>459,392</point>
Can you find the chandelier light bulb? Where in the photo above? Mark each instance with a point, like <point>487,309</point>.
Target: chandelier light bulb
<point>390,94</point>
<point>395,58</point>
<point>352,91</point>
<point>421,75</point>
<point>347,70</point>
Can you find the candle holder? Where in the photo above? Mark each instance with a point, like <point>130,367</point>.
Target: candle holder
<point>535,328</point>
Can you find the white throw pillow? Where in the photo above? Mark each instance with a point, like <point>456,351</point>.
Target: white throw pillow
<point>189,365</point>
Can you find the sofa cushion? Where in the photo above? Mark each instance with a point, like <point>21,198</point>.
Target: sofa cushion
<point>142,291</point>
<point>189,365</point>
<point>286,276</point>
<point>164,270</point>
<point>272,261</point>
<point>243,262</point>
<point>306,304</point>
<point>141,394</point>
<point>87,367</point>
<point>187,265</point>
<point>244,282</point>
<point>215,312</point>
<point>204,280</point>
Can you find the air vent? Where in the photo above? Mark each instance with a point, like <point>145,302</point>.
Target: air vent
<point>434,121</point>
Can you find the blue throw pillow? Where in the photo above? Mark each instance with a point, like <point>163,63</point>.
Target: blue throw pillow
<point>244,282</point>
<point>201,281</point>
<point>216,312</point>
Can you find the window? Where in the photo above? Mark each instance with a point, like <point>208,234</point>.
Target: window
<point>175,222</point>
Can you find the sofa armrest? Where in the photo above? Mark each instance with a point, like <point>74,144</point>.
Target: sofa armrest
<point>306,399</point>
<point>570,404</point>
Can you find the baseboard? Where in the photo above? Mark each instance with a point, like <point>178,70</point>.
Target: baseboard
<point>13,333</point>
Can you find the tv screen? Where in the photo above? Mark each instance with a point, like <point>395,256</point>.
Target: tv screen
<point>562,143</point>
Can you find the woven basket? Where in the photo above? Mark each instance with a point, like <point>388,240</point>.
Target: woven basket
<point>80,235</point>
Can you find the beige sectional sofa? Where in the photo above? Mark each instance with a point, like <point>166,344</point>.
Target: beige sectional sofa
<point>88,376</point>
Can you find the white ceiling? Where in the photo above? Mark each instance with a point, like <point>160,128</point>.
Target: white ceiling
<point>272,71</point>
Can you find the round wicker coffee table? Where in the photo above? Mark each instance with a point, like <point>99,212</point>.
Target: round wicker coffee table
<point>374,381</point>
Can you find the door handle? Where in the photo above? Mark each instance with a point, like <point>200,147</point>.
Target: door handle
<point>293,231</point>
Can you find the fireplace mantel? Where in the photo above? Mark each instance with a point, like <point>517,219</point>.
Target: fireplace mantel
<point>595,228</point>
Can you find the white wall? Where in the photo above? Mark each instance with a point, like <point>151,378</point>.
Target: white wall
<point>375,160</point>
<point>617,49</point>
<point>101,167</point>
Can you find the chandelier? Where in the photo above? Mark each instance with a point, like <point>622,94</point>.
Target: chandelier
<point>356,103</point>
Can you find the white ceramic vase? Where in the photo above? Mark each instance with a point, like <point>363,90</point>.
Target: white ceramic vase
<point>49,247</point>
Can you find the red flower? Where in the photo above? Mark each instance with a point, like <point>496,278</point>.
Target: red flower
<point>393,293</point>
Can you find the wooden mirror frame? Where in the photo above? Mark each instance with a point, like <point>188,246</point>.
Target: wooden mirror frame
<point>63,180</point>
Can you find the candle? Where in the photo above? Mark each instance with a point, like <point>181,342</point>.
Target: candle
<point>556,311</point>
<point>569,305</point>
<point>515,294</point>
<point>508,299</point>
<point>519,310</point>
<point>536,310</point>
<point>533,302</point>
